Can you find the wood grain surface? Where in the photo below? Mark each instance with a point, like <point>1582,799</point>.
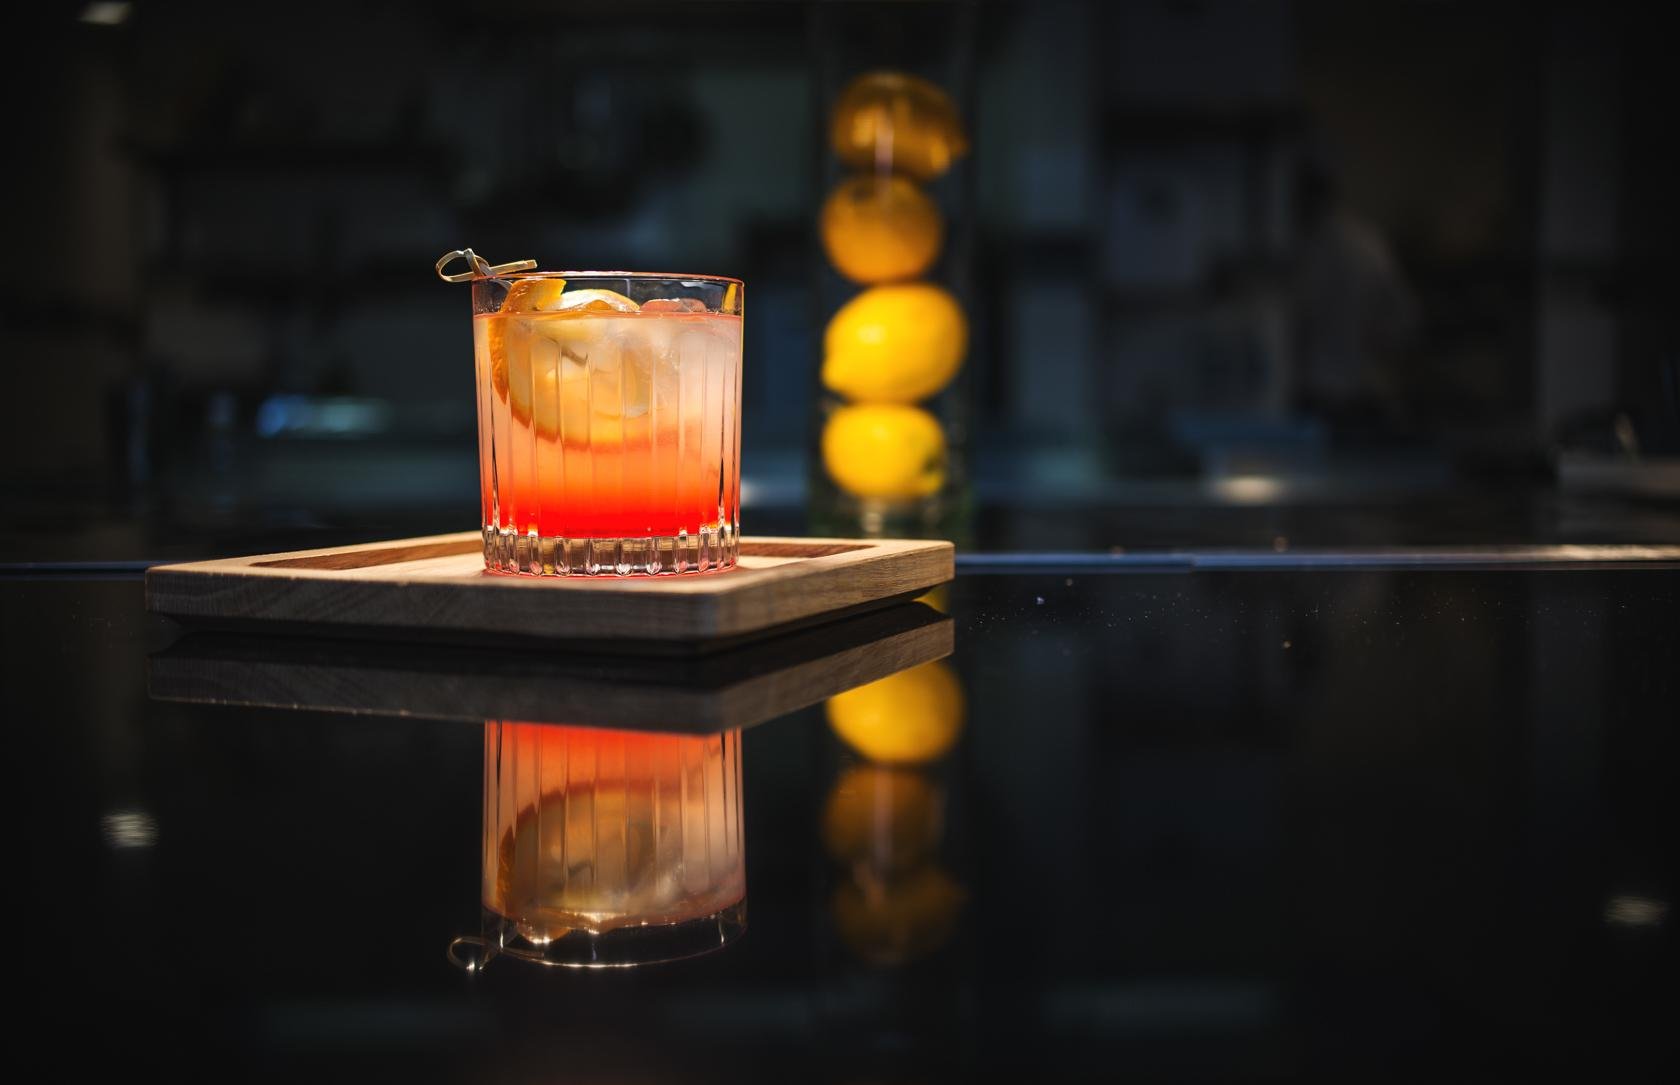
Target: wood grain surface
<point>438,586</point>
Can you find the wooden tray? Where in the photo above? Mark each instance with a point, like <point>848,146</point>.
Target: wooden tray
<point>697,695</point>
<point>436,589</point>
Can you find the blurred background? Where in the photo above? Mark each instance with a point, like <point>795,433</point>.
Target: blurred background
<point>1235,273</point>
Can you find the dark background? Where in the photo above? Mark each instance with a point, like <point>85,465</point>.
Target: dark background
<point>1218,255</point>
<point>1345,824</point>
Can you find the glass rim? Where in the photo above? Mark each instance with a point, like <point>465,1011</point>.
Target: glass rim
<point>663,276</point>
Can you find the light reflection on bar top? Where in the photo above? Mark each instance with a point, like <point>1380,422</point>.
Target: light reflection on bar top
<point>1285,557</point>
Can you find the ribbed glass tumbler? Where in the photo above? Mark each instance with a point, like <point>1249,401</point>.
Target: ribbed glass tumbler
<point>608,422</point>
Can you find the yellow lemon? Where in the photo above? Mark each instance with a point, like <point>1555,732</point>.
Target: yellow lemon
<point>886,819</point>
<point>539,364</point>
<point>878,229</point>
<point>894,344</point>
<point>893,921</point>
<point>889,120</point>
<point>597,301</point>
<point>906,718</point>
<point>884,451</point>
<point>526,295</point>
<point>533,295</point>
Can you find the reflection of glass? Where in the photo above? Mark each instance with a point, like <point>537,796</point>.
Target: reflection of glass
<point>611,847</point>
<point>603,845</point>
<point>609,429</point>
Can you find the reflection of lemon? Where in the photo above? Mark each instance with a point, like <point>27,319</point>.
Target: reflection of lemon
<point>938,598</point>
<point>885,819</point>
<point>536,885</point>
<point>894,344</point>
<point>905,718</point>
<point>899,122</point>
<point>892,921</point>
<point>877,229</point>
<point>884,451</point>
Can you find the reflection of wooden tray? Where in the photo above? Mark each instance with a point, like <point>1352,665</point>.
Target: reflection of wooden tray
<point>436,589</point>
<point>716,692</point>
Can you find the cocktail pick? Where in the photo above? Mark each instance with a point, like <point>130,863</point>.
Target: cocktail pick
<point>479,267</point>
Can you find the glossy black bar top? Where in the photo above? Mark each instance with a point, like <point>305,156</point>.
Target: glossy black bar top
<point>1197,825</point>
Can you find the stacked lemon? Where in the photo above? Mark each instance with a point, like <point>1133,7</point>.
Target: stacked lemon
<point>901,341</point>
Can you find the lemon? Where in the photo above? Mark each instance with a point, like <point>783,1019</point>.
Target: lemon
<point>592,301</point>
<point>907,718</point>
<point>896,121</point>
<point>878,229</point>
<point>542,367</point>
<point>541,296</point>
<point>533,295</point>
<point>893,921</point>
<point>884,818</point>
<point>894,344</point>
<point>884,451</point>
<point>539,365</point>
<point>526,296</point>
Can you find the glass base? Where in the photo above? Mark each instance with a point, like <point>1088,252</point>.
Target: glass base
<point>714,548</point>
<point>620,947</point>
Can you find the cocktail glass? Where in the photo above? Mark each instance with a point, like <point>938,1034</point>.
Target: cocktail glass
<point>609,848</point>
<point>608,422</point>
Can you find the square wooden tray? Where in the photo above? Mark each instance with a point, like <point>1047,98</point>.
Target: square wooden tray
<point>435,588</point>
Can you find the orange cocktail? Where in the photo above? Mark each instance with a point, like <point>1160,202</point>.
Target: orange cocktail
<point>609,422</point>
